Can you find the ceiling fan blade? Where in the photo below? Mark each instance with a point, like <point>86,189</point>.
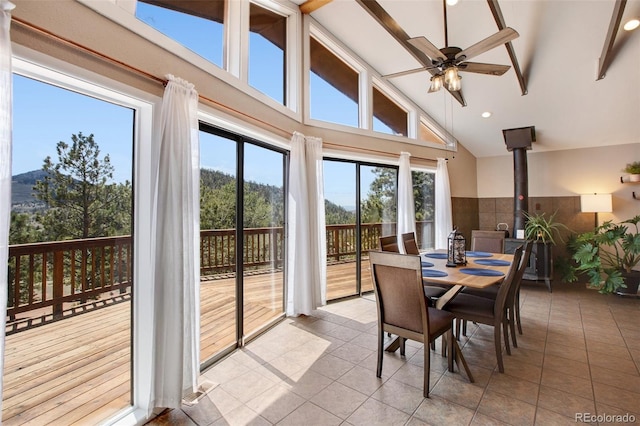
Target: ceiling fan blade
<point>479,68</point>
<point>501,37</point>
<point>425,46</point>
<point>402,73</point>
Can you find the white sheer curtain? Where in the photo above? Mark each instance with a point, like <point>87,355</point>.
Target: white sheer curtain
<point>5,165</point>
<point>406,206</point>
<point>444,221</point>
<point>177,230</point>
<point>306,248</point>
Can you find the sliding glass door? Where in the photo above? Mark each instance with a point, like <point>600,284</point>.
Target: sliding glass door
<point>242,208</point>
<point>378,205</point>
<point>360,206</point>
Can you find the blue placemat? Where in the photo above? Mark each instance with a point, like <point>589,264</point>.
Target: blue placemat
<point>492,262</point>
<point>478,254</point>
<point>433,273</point>
<point>481,272</point>
<point>426,264</point>
<point>436,255</point>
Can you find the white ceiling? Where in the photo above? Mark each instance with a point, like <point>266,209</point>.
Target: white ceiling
<point>558,49</point>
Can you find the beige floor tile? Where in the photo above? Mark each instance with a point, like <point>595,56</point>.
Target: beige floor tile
<point>352,353</point>
<point>514,387</point>
<point>611,362</point>
<point>567,366</point>
<point>399,395</point>
<point>483,420</point>
<point>619,379</point>
<point>308,384</point>
<point>609,349</point>
<point>276,403</point>
<point>545,417</point>
<point>312,415</point>
<point>563,403</point>
<point>362,380</point>
<point>248,386</point>
<point>438,411</point>
<point>339,399</point>
<point>331,366</point>
<point>564,382</point>
<point>573,353</point>
<point>374,412</point>
<point>616,397</point>
<point>508,410</point>
<point>458,392</point>
<point>242,415</point>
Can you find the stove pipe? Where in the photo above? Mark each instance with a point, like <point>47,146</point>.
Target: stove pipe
<point>519,141</point>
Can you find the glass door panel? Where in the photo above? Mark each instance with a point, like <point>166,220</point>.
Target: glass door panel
<point>263,241</point>
<point>218,299</point>
<point>378,205</point>
<point>424,199</point>
<point>340,211</point>
<point>70,266</point>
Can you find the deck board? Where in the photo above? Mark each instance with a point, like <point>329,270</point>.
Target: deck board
<point>78,370</point>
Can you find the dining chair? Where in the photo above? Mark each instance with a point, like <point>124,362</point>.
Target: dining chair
<point>403,309</point>
<point>490,241</point>
<point>409,243</point>
<point>431,290</point>
<point>513,299</point>
<point>389,243</point>
<point>487,311</point>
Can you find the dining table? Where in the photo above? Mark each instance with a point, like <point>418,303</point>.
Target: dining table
<point>482,269</point>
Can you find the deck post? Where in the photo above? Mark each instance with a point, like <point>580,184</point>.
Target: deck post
<point>58,282</point>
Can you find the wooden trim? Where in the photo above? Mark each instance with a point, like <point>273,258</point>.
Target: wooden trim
<point>614,25</point>
<point>497,15</point>
<point>311,6</point>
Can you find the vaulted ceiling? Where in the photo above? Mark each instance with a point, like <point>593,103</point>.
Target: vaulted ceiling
<point>558,50</point>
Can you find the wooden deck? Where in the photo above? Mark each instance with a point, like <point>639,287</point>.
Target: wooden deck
<point>78,370</point>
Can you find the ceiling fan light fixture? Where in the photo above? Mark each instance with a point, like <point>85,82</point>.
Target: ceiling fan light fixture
<point>436,83</point>
<point>452,2</point>
<point>450,74</point>
<point>632,24</point>
<point>455,84</point>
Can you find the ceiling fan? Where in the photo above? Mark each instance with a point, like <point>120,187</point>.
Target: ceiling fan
<point>448,61</point>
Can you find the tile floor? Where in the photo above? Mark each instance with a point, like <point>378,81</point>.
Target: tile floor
<point>580,353</point>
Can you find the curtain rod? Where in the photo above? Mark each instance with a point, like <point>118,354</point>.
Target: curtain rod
<point>163,81</point>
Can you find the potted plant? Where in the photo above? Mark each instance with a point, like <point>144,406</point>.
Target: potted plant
<point>634,171</point>
<point>539,228</point>
<point>543,231</point>
<point>608,255</point>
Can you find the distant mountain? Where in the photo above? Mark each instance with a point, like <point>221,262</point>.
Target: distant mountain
<point>22,197</point>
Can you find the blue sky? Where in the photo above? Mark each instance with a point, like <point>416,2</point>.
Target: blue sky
<point>45,114</point>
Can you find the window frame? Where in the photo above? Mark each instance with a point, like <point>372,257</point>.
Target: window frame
<point>235,47</point>
<point>368,78</point>
<point>52,71</point>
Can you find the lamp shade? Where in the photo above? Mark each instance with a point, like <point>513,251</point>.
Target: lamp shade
<point>595,203</point>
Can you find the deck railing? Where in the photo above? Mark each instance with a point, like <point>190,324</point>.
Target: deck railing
<point>46,276</point>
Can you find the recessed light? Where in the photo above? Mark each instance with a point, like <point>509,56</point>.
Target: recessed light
<point>452,2</point>
<point>486,114</point>
<point>632,24</point>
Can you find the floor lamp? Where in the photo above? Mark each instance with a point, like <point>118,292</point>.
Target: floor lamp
<point>595,203</point>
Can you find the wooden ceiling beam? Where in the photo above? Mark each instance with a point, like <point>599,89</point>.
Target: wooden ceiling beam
<point>312,5</point>
<point>614,25</point>
<point>393,28</point>
<point>497,16</point>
